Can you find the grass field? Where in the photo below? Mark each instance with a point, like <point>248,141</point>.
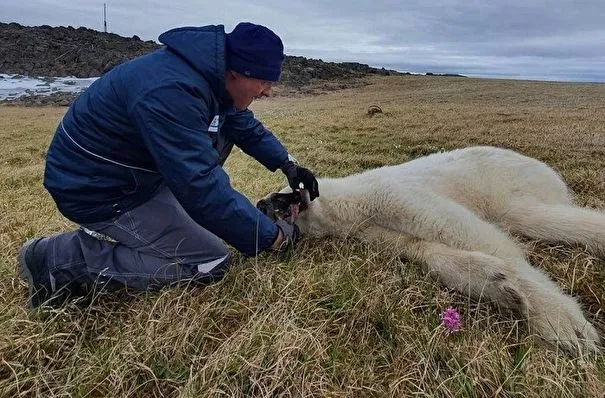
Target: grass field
<point>339,318</point>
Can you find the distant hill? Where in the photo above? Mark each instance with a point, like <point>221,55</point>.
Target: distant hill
<point>82,52</point>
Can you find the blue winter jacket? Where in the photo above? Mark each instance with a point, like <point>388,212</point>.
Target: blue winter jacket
<point>163,118</point>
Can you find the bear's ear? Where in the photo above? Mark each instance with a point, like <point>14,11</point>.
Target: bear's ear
<point>266,207</point>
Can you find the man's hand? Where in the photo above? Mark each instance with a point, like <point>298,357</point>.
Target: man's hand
<point>287,237</point>
<point>297,175</point>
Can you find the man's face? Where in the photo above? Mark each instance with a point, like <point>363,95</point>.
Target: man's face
<point>243,90</point>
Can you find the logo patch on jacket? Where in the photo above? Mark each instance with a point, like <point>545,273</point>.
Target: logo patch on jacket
<point>213,128</point>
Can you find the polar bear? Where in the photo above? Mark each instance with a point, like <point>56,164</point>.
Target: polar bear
<point>454,212</point>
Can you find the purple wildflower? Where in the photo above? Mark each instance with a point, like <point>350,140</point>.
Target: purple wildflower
<point>451,319</point>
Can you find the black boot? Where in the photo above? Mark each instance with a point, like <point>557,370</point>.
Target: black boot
<point>33,269</point>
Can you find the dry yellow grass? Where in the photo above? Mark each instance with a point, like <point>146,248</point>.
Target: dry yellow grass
<point>339,318</point>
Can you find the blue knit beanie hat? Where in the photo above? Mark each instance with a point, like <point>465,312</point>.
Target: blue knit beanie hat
<point>254,51</point>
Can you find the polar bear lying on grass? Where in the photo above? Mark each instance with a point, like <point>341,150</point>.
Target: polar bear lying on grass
<point>452,211</point>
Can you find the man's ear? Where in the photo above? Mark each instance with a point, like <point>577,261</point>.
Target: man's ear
<point>233,75</point>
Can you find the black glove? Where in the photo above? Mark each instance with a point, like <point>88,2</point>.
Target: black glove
<point>291,233</point>
<point>297,175</point>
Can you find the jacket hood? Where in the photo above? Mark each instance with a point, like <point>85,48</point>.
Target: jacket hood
<point>203,48</point>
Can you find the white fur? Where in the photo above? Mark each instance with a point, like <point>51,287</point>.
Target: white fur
<point>452,211</point>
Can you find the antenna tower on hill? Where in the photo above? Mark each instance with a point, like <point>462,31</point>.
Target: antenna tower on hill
<point>105,17</point>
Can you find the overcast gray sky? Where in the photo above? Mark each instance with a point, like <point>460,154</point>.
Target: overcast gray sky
<point>528,39</point>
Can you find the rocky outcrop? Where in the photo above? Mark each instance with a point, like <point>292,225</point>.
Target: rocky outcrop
<point>82,52</point>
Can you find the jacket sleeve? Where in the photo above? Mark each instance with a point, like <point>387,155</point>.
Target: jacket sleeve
<point>174,124</point>
<point>254,139</point>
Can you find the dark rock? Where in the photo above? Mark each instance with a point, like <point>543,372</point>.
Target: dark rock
<point>83,52</point>
<point>33,99</point>
<point>62,51</point>
<point>443,74</point>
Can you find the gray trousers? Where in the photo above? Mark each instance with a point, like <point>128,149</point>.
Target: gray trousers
<point>151,246</point>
